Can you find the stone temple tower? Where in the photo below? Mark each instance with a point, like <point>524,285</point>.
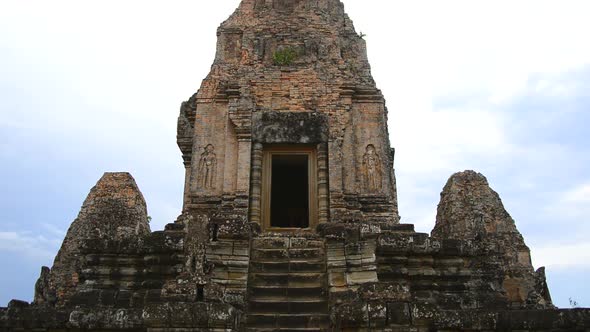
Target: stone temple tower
<point>290,219</point>
<point>288,131</point>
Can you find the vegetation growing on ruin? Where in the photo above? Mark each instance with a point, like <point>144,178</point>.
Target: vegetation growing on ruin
<point>284,56</point>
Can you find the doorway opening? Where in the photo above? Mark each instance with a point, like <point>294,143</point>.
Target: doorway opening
<point>289,188</point>
<point>289,199</point>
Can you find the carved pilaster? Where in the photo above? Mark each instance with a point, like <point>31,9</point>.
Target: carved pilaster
<point>323,183</point>
<point>256,183</point>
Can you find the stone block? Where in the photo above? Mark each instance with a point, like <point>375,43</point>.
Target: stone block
<point>240,250</point>
<point>398,313</point>
<point>123,299</point>
<point>377,315</point>
<point>451,247</point>
<point>357,278</point>
<point>337,279</point>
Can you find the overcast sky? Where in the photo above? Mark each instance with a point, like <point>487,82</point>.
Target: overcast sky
<point>501,87</point>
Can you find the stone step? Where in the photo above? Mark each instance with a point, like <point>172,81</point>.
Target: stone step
<point>286,242</point>
<point>390,275</point>
<point>289,266</point>
<point>286,299</point>
<point>440,287</point>
<point>287,285</point>
<point>292,307</point>
<point>306,253</point>
<point>285,291</point>
<point>285,329</point>
<point>288,320</point>
<point>282,255</point>
<point>292,279</point>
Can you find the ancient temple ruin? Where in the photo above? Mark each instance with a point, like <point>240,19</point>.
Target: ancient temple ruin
<point>290,219</point>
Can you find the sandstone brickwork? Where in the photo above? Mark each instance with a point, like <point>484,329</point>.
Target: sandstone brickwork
<point>290,81</point>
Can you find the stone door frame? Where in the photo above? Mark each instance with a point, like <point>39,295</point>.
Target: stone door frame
<point>261,181</point>
<point>267,154</point>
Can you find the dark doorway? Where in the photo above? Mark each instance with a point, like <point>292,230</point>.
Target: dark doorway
<point>289,201</point>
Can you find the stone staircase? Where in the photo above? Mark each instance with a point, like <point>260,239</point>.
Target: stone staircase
<point>287,285</point>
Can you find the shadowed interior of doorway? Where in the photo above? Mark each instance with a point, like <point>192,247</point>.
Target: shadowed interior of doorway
<point>289,191</point>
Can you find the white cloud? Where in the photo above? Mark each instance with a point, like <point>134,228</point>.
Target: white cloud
<point>436,140</point>
<point>34,247</point>
<point>572,205</point>
<point>163,212</point>
<point>482,56</point>
<point>433,144</point>
<point>54,231</point>
<point>562,256</point>
<point>580,194</point>
<point>460,45</point>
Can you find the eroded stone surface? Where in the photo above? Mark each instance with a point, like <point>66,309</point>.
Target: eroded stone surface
<point>114,210</point>
<point>470,210</point>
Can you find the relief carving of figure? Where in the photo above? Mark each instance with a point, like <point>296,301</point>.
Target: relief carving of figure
<point>207,168</point>
<point>372,169</point>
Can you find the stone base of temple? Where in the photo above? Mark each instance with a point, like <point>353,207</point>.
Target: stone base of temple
<point>390,316</point>
<point>341,279</point>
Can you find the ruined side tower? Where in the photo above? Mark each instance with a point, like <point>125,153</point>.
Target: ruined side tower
<point>289,95</point>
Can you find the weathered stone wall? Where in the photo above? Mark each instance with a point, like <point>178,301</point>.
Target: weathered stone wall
<point>442,283</point>
<point>122,274</point>
<point>175,316</point>
<point>229,259</point>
